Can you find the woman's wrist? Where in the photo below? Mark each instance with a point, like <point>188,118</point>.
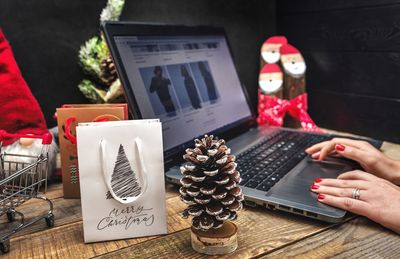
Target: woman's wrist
<point>396,180</point>
<point>388,168</point>
<point>395,172</point>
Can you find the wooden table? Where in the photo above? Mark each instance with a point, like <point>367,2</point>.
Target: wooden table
<point>262,233</point>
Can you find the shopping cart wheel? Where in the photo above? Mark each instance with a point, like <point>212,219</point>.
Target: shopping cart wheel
<point>5,246</point>
<point>50,220</point>
<point>10,215</point>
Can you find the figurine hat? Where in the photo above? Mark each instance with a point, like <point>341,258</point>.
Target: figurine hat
<point>270,68</point>
<point>20,112</point>
<point>288,49</point>
<point>276,40</point>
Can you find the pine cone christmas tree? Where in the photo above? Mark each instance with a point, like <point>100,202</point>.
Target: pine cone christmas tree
<point>210,184</point>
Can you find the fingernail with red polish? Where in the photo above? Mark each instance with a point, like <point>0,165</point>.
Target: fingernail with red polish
<point>340,147</point>
<point>320,197</point>
<point>314,187</point>
<point>318,180</point>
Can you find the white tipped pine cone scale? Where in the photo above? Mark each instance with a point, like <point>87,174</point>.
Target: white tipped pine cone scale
<point>210,184</point>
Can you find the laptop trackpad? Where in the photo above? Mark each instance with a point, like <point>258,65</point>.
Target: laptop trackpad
<point>296,186</point>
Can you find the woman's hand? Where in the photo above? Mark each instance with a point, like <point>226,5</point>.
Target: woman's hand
<point>379,200</point>
<point>371,159</point>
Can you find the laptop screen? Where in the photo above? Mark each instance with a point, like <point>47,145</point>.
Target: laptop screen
<point>189,82</point>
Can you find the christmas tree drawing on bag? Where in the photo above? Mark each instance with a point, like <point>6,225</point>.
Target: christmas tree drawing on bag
<point>123,179</point>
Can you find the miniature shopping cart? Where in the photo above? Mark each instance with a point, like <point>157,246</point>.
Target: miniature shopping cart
<point>22,177</point>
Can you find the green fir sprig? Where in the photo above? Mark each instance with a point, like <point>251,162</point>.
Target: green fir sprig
<point>92,54</point>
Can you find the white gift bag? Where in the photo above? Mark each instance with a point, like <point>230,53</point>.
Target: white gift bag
<point>121,171</point>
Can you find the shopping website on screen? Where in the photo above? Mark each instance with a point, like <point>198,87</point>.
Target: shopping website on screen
<point>189,82</point>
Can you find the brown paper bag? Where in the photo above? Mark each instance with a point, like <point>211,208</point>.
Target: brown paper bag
<point>68,118</point>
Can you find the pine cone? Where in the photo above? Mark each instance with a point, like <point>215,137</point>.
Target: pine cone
<point>210,184</point>
<point>108,71</point>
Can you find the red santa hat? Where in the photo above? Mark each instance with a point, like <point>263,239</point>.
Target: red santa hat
<point>20,112</point>
<point>288,49</point>
<point>270,68</point>
<point>276,40</point>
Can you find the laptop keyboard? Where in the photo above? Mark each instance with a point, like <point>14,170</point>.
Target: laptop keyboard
<point>265,163</point>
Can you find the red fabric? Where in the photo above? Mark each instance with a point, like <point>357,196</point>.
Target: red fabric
<point>288,49</point>
<point>272,110</point>
<point>20,112</point>
<point>270,68</point>
<point>276,40</point>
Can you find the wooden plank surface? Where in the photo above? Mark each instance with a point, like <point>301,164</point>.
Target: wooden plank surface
<point>309,6</point>
<point>66,240</point>
<point>348,29</point>
<point>65,211</point>
<point>258,227</point>
<point>351,49</point>
<point>260,231</point>
<point>358,73</point>
<point>392,150</point>
<point>346,112</point>
<point>360,238</point>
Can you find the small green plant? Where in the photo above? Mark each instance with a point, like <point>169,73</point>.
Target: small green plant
<point>102,84</point>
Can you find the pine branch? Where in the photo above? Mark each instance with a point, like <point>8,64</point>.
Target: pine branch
<point>112,11</point>
<point>115,92</point>
<point>91,54</point>
<point>90,91</point>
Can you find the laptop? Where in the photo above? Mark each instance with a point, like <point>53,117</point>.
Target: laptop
<point>186,77</point>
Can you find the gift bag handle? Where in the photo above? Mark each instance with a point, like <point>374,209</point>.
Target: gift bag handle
<point>68,133</point>
<point>142,176</point>
<point>68,123</point>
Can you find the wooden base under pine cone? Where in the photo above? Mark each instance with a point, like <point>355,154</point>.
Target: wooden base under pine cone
<point>215,241</point>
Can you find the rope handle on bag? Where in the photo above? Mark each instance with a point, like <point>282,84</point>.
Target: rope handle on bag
<point>46,138</point>
<point>138,147</point>
<point>68,123</point>
<point>68,133</point>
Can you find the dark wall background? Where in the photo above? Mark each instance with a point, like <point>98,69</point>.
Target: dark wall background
<point>46,35</point>
<point>352,52</point>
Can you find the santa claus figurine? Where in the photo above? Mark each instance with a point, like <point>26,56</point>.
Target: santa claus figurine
<point>271,77</point>
<point>270,49</point>
<point>20,112</point>
<point>270,83</point>
<point>294,68</point>
<point>270,80</point>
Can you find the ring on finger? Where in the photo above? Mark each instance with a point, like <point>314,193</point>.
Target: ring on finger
<point>356,194</point>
